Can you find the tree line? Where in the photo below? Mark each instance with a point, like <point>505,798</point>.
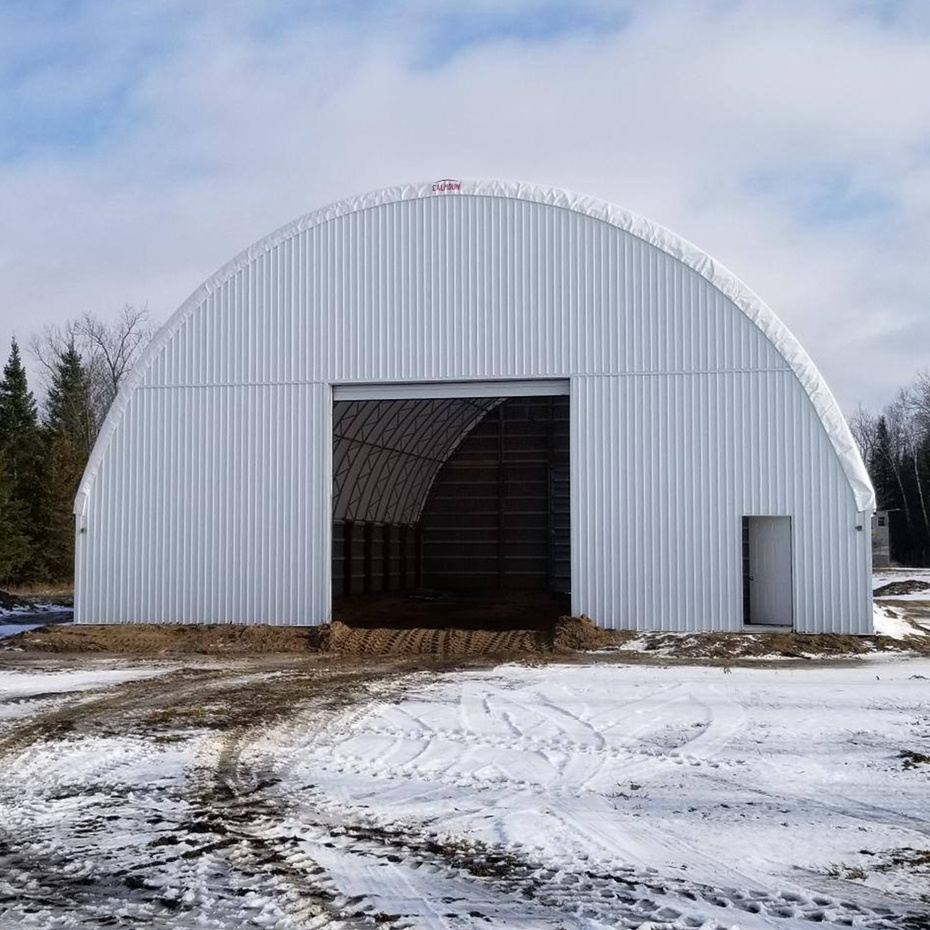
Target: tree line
<point>895,444</point>
<point>44,447</point>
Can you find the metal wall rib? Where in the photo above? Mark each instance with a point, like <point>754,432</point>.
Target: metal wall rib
<point>213,501</point>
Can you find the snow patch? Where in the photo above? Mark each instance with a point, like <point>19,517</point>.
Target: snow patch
<point>890,622</point>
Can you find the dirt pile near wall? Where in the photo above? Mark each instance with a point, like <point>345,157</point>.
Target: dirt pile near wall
<point>567,636</point>
<point>726,646</point>
<point>581,634</point>
<point>167,639</point>
<point>570,634</point>
<point>446,642</point>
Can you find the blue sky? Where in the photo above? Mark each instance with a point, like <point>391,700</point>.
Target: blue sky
<point>141,145</point>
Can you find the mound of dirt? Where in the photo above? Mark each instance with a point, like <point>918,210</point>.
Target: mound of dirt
<point>445,642</point>
<point>566,636</point>
<point>168,639</point>
<point>581,634</point>
<point>726,646</point>
<point>898,588</point>
<point>570,634</point>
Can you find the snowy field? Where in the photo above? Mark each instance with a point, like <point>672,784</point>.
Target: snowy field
<point>554,796</point>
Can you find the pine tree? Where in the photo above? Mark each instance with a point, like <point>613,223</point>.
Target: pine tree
<point>14,546</point>
<point>18,418</point>
<point>19,467</point>
<point>68,435</point>
<point>68,411</point>
<point>884,471</point>
<point>62,467</point>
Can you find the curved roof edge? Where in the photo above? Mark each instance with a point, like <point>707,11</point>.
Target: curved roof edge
<point>688,254</point>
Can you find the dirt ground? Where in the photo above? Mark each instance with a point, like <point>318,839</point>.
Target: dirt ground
<point>235,702</point>
<point>899,588</point>
<point>432,637</point>
<point>338,638</point>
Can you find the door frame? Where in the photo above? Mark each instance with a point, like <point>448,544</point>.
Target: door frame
<point>438,390</point>
<point>745,565</point>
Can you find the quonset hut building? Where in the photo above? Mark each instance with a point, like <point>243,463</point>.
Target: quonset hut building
<point>483,384</point>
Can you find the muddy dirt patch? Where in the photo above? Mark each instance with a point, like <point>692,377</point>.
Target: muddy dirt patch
<point>722,647</point>
<point>362,640</point>
<point>900,588</point>
<point>358,640</point>
<point>165,639</point>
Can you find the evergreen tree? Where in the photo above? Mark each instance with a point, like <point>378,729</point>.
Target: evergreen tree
<point>884,469</point>
<point>19,467</point>
<point>14,546</point>
<point>62,466</point>
<point>18,419</point>
<point>68,411</point>
<point>68,435</point>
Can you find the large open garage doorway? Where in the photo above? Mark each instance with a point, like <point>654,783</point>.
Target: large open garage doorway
<point>451,504</point>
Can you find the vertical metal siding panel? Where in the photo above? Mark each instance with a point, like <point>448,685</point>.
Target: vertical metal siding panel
<point>213,499</point>
<point>192,500</point>
<point>667,555</point>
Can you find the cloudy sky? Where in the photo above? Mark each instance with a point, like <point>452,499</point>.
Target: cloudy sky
<point>144,144</point>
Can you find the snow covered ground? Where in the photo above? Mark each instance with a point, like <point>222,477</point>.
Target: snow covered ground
<point>555,796</point>
<point>735,798</point>
<point>27,692</point>
<point>895,623</point>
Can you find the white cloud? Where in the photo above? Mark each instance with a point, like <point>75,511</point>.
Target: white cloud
<point>721,120</point>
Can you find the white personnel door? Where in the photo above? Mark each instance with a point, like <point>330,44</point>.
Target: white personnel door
<point>770,585</point>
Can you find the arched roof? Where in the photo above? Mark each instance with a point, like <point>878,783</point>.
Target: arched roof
<point>717,275</point>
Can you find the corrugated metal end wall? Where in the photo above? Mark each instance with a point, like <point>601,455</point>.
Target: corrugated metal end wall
<point>220,511</point>
<point>663,551</point>
<point>212,501</point>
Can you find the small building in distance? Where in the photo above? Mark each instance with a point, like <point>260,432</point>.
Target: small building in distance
<point>881,540</point>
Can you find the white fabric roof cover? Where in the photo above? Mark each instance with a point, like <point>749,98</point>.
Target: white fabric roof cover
<point>725,281</point>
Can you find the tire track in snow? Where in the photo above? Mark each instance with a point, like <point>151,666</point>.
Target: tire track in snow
<point>119,834</point>
<point>618,895</point>
<point>746,899</point>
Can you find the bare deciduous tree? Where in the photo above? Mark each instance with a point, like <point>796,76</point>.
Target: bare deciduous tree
<point>108,351</point>
<point>897,416</point>
<point>863,424</point>
<point>111,349</point>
